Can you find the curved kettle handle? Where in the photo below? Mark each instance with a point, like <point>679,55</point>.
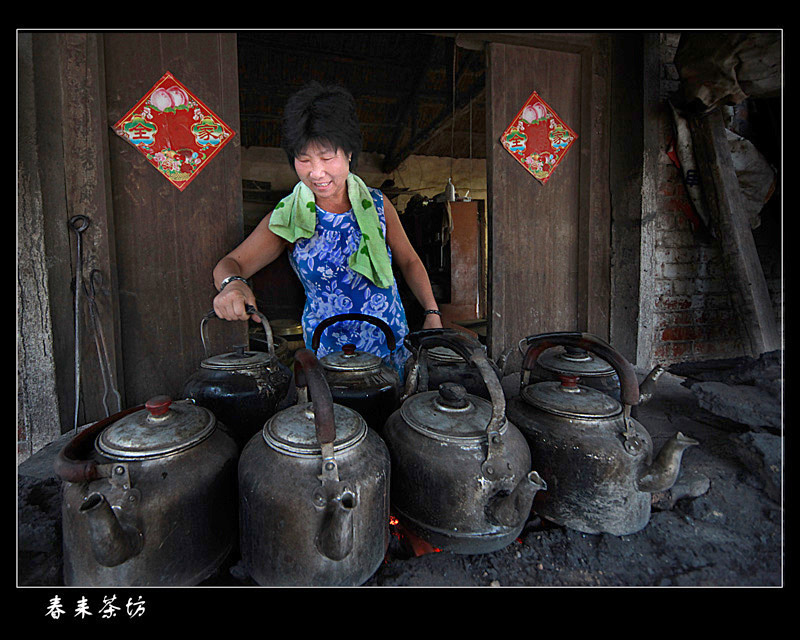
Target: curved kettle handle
<point>387,331</point>
<point>473,352</point>
<point>462,344</point>
<point>629,385</point>
<point>424,339</point>
<point>307,372</point>
<point>253,312</point>
<point>70,465</point>
<point>495,466</point>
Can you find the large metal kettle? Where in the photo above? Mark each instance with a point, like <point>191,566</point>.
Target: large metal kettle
<point>361,380</point>
<point>461,472</point>
<point>242,388</point>
<point>596,459</point>
<point>431,367</point>
<point>314,492</point>
<point>592,370</point>
<point>149,497</point>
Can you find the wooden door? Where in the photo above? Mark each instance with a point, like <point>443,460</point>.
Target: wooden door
<point>168,241</point>
<point>549,244</point>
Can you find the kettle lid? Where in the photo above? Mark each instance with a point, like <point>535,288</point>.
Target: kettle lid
<point>448,414</point>
<point>239,358</point>
<point>161,428</point>
<point>569,399</point>
<point>349,359</point>
<point>293,431</point>
<point>575,362</point>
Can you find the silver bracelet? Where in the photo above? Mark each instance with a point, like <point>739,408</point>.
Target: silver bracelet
<point>230,279</point>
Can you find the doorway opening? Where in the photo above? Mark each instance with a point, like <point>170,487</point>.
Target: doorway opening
<point>421,104</point>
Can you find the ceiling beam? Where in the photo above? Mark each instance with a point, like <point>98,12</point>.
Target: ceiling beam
<point>317,48</point>
<point>408,107</point>
<point>440,124</point>
<point>393,158</point>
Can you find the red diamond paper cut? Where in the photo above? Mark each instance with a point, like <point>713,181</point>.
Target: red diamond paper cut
<point>174,130</point>
<point>537,138</point>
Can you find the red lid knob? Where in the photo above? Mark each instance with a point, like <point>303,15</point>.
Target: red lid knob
<point>349,349</point>
<point>158,405</point>
<point>569,382</point>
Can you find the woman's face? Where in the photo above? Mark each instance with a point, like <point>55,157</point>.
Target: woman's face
<point>324,170</point>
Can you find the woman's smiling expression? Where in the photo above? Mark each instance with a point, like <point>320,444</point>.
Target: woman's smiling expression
<point>324,170</point>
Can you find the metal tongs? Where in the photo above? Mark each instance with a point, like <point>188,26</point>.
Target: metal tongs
<point>96,281</point>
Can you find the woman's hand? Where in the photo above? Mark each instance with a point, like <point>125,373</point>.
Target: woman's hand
<point>258,250</point>
<point>230,303</point>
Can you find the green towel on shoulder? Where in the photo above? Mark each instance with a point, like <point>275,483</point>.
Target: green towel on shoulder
<point>295,217</point>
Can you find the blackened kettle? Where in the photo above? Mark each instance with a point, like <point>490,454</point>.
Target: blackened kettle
<point>592,370</point>
<point>148,497</point>
<point>429,368</point>
<point>597,460</point>
<point>242,388</point>
<point>461,472</point>
<point>361,380</point>
<point>313,492</point>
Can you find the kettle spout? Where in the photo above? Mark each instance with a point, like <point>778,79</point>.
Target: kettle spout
<point>648,385</point>
<point>335,538</point>
<point>112,543</point>
<point>661,475</point>
<point>514,508</point>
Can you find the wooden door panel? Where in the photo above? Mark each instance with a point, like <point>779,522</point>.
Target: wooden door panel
<point>534,228</point>
<point>167,240</point>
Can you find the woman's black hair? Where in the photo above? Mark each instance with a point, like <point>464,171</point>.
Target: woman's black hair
<point>322,114</point>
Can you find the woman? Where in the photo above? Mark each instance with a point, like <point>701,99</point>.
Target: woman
<point>342,236</point>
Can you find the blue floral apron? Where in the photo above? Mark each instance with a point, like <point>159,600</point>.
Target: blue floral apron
<point>332,288</point>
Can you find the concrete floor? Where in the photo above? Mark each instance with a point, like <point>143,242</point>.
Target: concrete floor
<point>720,525</point>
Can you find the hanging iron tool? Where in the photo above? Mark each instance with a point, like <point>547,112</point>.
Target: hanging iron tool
<point>78,224</point>
<point>95,282</point>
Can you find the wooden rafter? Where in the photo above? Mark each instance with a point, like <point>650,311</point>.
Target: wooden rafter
<point>408,106</point>
<point>441,123</point>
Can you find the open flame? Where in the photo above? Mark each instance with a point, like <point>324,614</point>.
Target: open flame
<point>417,545</point>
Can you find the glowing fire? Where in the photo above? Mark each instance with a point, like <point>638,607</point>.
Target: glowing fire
<point>419,546</point>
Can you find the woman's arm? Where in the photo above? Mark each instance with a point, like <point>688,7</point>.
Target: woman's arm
<point>410,265</point>
<point>258,250</point>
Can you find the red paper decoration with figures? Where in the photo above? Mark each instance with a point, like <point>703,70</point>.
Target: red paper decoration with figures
<point>537,138</point>
<point>174,130</point>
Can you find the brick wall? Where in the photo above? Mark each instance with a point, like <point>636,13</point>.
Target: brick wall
<point>693,315</point>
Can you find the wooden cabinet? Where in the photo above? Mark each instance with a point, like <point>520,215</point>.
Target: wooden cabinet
<point>467,263</point>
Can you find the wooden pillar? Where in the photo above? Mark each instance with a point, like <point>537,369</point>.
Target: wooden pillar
<point>626,135</point>
<point>84,133</point>
<point>646,224</point>
<point>724,200</point>
<point>37,398</point>
<point>64,162</point>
